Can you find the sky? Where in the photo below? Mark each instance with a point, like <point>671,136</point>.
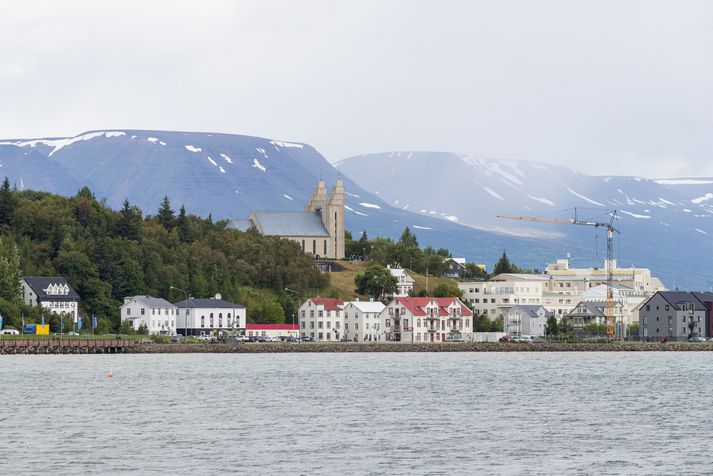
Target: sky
<point>603,87</point>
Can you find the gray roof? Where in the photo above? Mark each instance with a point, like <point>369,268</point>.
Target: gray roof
<point>151,301</point>
<point>242,225</point>
<point>532,309</point>
<point>676,298</point>
<point>207,303</point>
<point>594,308</point>
<point>40,283</point>
<point>290,223</point>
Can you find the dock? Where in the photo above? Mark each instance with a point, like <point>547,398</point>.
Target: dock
<point>66,346</point>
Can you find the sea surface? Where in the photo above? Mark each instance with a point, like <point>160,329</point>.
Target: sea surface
<point>366,413</point>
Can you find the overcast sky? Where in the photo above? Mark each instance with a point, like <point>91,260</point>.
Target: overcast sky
<point>602,87</point>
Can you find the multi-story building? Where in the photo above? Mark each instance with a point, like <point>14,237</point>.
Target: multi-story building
<point>362,321</point>
<point>588,313</point>
<point>322,319</point>
<point>564,279</point>
<point>426,319</point>
<point>209,316</point>
<point>676,315</point>
<point>156,314</point>
<point>404,282</point>
<point>52,293</point>
<point>502,292</point>
<point>526,319</point>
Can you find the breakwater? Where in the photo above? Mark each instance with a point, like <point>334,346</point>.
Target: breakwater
<point>110,346</point>
<point>268,347</point>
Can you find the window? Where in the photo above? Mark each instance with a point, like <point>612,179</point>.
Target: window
<point>388,323</point>
<point>128,310</point>
<point>311,325</point>
<point>143,311</point>
<point>648,307</point>
<point>303,246</point>
<point>320,325</point>
<point>311,334</point>
<point>329,325</point>
<point>329,336</point>
<point>405,323</point>
<point>367,325</point>
<point>302,324</point>
<point>202,321</point>
<point>302,313</point>
<point>325,247</point>
<point>320,314</point>
<point>418,323</point>
<point>321,336</point>
<point>314,252</point>
<point>346,326</point>
<point>356,326</point>
<point>211,320</point>
<point>337,324</point>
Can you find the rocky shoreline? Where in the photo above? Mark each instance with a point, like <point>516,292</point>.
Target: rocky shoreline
<point>263,348</point>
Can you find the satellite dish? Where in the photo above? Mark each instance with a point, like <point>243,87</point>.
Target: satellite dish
<point>218,296</point>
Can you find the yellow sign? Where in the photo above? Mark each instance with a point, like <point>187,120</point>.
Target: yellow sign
<point>42,330</point>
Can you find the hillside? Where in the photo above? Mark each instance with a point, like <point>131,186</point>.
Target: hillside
<point>664,217</point>
<point>343,281</point>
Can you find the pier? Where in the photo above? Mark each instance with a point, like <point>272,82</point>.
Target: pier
<point>66,346</point>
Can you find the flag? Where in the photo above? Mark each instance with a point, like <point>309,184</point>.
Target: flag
<point>79,323</point>
<point>94,322</point>
<point>43,319</point>
<point>23,324</point>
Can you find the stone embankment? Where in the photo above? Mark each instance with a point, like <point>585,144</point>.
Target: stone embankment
<point>281,347</point>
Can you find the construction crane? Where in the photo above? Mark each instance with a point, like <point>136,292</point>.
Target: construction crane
<point>609,308</point>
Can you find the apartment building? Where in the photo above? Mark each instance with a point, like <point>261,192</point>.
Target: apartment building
<point>676,315</point>
<point>426,319</point>
<point>322,319</point>
<point>362,321</point>
<point>502,292</point>
<point>525,319</point>
<point>564,279</point>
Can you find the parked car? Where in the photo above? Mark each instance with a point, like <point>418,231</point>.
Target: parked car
<point>697,339</point>
<point>73,334</point>
<point>178,338</point>
<point>9,332</point>
<point>504,339</point>
<point>454,339</point>
<point>307,339</point>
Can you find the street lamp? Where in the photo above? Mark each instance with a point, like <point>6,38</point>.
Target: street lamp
<point>299,299</point>
<point>185,322</point>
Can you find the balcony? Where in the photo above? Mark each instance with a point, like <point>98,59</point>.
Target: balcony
<point>433,329</point>
<point>396,329</point>
<point>432,318</point>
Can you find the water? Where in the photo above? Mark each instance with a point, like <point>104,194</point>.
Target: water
<point>456,413</point>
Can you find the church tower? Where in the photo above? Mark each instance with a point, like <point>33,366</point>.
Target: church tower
<point>334,221</point>
<point>318,201</point>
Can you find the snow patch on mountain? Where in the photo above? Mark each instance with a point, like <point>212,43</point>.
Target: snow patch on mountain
<point>635,215</point>
<point>222,170</point>
<point>542,200</point>
<point>586,199</point>
<point>64,142</point>
<point>258,165</point>
<point>355,211</point>
<point>702,199</point>
<point>701,231</point>
<point>285,145</point>
<point>190,148</point>
<point>287,196</point>
<point>212,162</point>
<point>369,205</point>
<point>422,227</point>
<point>151,139</point>
<point>227,159</point>
<point>683,181</point>
<point>492,193</point>
<point>352,195</point>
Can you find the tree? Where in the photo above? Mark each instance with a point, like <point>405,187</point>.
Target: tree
<point>473,271</point>
<point>165,214</point>
<point>551,327</point>
<point>8,203</point>
<point>184,229</point>
<point>10,274</point>
<point>408,238</point>
<point>375,282</point>
<point>447,290</point>
<point>129,222</point>
<point>270,313</point>
<point>503,265</point>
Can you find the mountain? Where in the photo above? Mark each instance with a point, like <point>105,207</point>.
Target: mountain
<point>665,224</point>
<point>229,175</point>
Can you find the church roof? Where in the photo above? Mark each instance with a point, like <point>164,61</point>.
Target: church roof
<point>240,224</point>
<point>290,223</point>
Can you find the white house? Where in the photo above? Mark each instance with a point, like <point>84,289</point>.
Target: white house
<point>51,293</point>
<point>526,319</point>
<point>426,319</point>
<point>404,282</point>
<point>362,321</point>
<point>322,319</point>
<point>157,314</point>
<point>209,316</point>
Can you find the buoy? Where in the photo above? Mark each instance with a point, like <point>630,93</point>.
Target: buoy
<point>110,376</point>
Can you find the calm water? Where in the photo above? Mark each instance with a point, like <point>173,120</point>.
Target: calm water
<point>460,413</point>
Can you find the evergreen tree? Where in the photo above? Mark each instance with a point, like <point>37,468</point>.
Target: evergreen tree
<point>165,214</point>
<point>408,239</point>
<point>8,203</point>
<point>9,270</point>
<point>129,221</point>
<point>503,266</point>
<point>184,229</point>
<point>551,327</point>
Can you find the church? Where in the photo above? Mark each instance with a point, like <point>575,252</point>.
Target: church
<point>319,229</point>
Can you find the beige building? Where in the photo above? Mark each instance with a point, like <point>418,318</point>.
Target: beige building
<point>504,291</point>
<point>564,279</point>
<point>319,229</point>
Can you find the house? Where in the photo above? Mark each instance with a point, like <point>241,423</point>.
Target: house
<point>526,319</point>
<point>52,293</point>
<point>209,316</point>
<point>322,319</point>
<point>156,314</point>
<point>426,319</point>
<point>676,315</point>
<point>588,313</point>
<point>319,229</point>
<point>362,321</point>
<point>272,330</point>
<point>455,268</point>
<point>404,282</point>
